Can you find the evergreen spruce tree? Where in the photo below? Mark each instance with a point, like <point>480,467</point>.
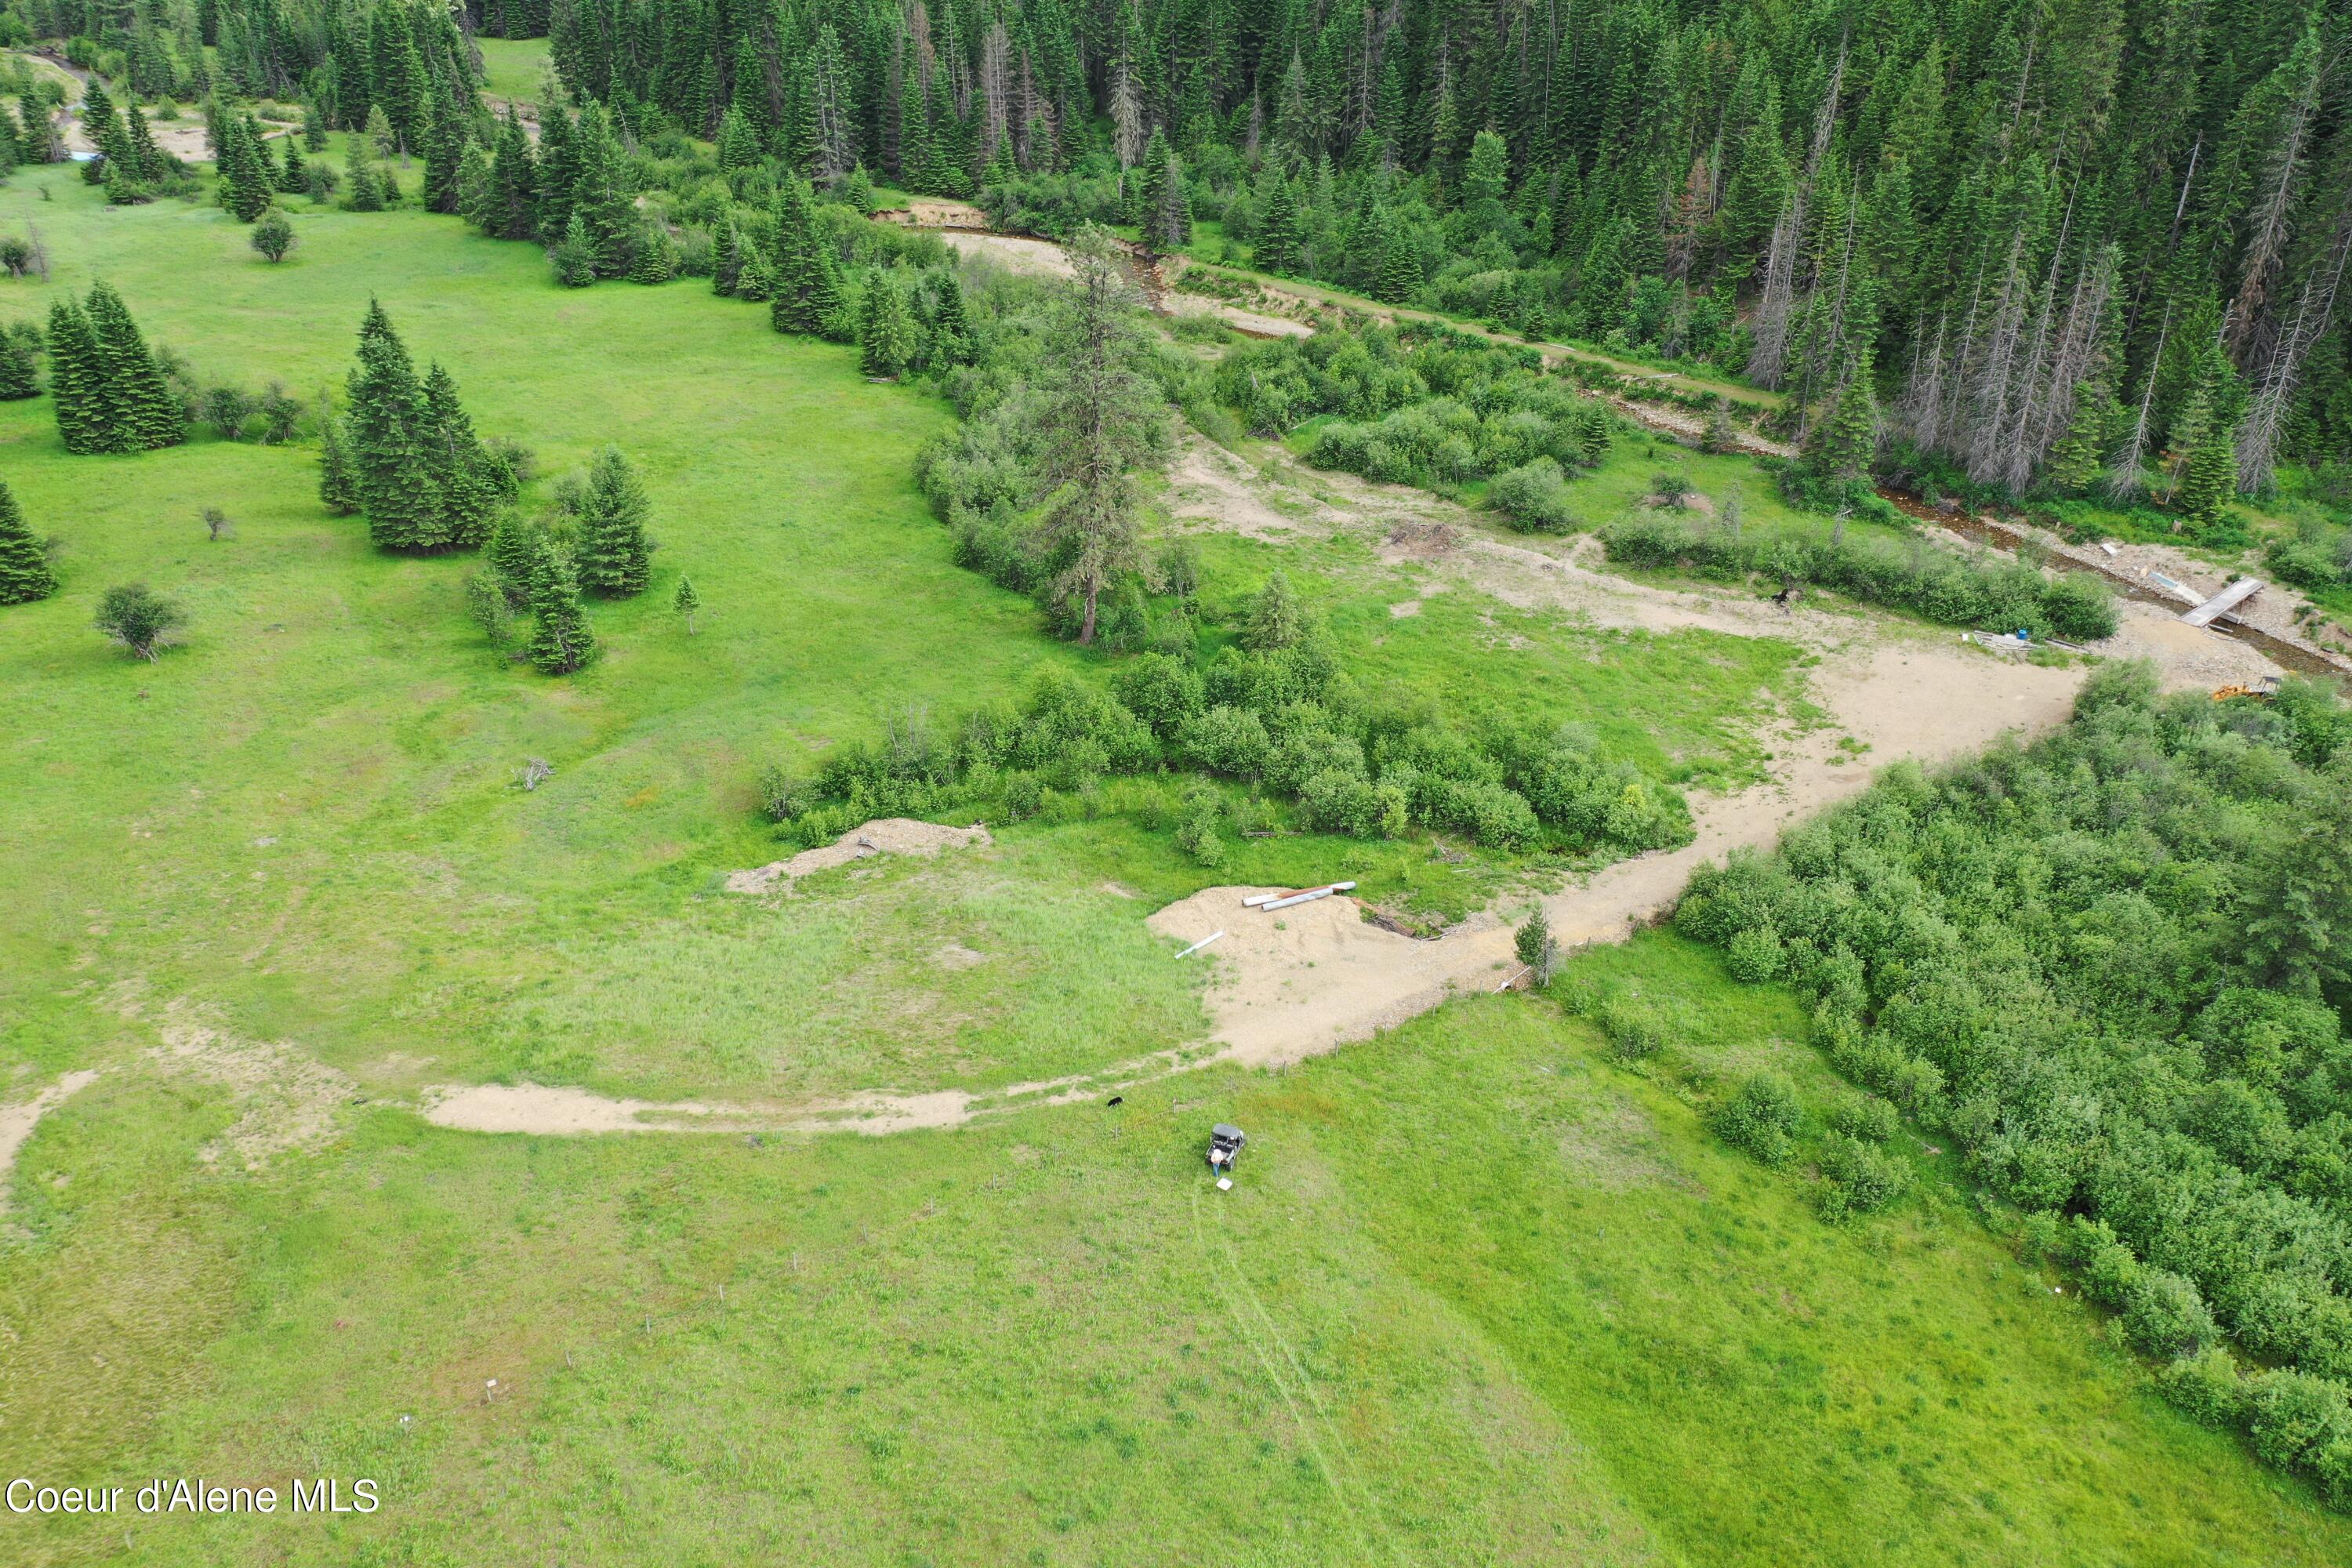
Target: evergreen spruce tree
<point>1842,446</point>
<point>2076,461</point>
<point>384,422</point>
<point>140,406</point>
<point>446,140</point>
<point>687,602</point>
<point>739,143</point>
<point>339,484</point>
<point>601,197</point>
<point>1400,277</point>
<point>558,171</point>
<point>726,258</point>
<point>573,256</point>
<point>511,208</point>
<point>362,188</point>
<point>757,280</point>
<point>122,187</point>
<point>512,551</point>
<point>799,269</point>
<point>1277,249</point>
<point>20,373</point>
<point>950,340</point>
<point>456,466</point>
<point>1592,436</point>
<point>2212,473</point>
<point>297,176</point>
<point>380,136</point>
<point>614,554</point>
<point>25,574</point>
<point>147,158</point>
<point>76,379</point>
<point>476,198</point>
<point>657,257</point>
<point>560,641</point>
<point>885,330</point>
<point>830,302</point>
<point>246,182</point>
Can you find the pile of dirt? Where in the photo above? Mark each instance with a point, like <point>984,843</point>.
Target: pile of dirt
<point>883,836</point>
<point>1422,540</point>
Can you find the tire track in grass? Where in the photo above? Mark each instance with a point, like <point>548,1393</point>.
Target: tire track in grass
<point>1311,1420</point>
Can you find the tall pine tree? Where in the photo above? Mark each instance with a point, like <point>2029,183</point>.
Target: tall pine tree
<point>25,574</point>
<point>614,554</point>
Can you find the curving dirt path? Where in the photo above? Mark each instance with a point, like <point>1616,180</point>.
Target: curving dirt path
<point>17,1122</point>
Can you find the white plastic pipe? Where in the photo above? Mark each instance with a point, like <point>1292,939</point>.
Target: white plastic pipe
<point>1200,944</point>
<point>1307,897</point>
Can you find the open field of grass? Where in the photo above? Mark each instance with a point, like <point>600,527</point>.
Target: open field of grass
<point>512,67</point>
<point>1480,1296</point>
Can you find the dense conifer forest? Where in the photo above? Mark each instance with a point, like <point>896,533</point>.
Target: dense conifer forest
<point>2089,245</point>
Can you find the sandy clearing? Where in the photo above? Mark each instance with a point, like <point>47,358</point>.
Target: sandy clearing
<point>883,836</point>
<point>1256,323</point>
<point>933,211</point>
<point>17,1121</point>
<point>1034,258</point>
<point>1299,982</point>
<point>1213,486</point>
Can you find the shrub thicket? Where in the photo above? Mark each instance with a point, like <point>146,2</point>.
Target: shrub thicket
<point>1941,584</point>
<point>2112,966</point>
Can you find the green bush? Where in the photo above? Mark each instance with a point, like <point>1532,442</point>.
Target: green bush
<point>1754,955</point>
<point>1865,1117</point>
<point>1634,1031</point>
<point>1864,1178</point>
<point>1937,584</point>
<point>2206,1388</point>
<point>2165,1316</point>
<point>1761,1117</point>
<point>2295,1418</point>
<point>1534,496</point>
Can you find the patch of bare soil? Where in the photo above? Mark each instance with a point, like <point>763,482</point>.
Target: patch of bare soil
<point>1416,541</point>
<point>1211,485</point>
<point>17,1122</point>
<point>955,955</point>
<point>932,212</point>
<point>555,1110</point>
<point>2186,656</point>
<point>1252,323</point>
<point>883,836</point>
<point>287,1098</point>
<point>1036,258</point>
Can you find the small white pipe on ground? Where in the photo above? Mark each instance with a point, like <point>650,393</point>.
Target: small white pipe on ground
<point>1307,897</point>
<point>1200,944</point>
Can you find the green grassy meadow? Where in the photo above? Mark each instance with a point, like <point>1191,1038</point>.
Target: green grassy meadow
<point>1480,1296</point>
